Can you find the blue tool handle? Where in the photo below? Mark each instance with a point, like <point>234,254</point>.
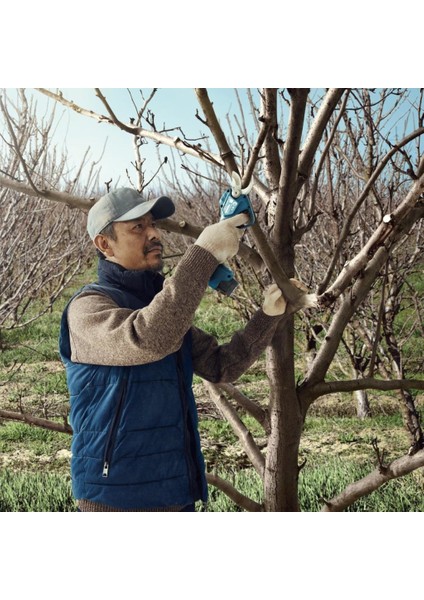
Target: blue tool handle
<point>221,273</point>
<point>222,280</point>
<point>229,207</point>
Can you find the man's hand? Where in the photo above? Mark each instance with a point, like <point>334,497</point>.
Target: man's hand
<point>274,302</point>
<point>222,239</point>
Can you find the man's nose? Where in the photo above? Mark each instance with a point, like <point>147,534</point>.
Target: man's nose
<point>153,233</point>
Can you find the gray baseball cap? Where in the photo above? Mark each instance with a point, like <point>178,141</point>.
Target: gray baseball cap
<point>125,204</point>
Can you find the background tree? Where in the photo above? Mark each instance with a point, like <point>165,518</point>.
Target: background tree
<point>43,245</point>
<point>323,157</point>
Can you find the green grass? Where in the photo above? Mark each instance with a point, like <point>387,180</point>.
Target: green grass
<point>32,447</point>
<point>38,341</point>
<point>35,492</point>
<point>51,492</point>
<point>218,317</point>
<point>324,481</point>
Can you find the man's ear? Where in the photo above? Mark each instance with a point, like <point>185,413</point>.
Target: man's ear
<point>102,243</point>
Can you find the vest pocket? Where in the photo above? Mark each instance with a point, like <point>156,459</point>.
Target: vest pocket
<point>111,438</point>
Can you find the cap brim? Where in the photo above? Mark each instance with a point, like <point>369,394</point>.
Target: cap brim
<point>161,208</point>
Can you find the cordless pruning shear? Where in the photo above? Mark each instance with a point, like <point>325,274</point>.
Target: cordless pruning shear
<point>233,201</point>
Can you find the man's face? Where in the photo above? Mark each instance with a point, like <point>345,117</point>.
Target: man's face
<point>137,245</point>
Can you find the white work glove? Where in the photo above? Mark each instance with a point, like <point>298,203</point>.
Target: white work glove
<point>222,239</point>
<point>274,302</point>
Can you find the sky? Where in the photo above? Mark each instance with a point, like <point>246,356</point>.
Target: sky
<point>173,107</point>
<point>113,148</point>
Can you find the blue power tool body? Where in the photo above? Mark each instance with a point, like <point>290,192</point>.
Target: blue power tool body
<point>232,202</point>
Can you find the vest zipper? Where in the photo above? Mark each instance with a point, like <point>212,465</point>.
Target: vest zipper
<point>192,471</point>
<point>110,442</point>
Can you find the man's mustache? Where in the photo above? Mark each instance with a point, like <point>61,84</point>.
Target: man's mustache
<point>153,246</point>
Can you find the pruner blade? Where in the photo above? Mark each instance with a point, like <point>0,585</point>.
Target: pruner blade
<point>236,189</point>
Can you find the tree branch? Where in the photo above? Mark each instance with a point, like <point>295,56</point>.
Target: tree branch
<point>349,219</point>
<point>347,309</point>
<point>398,468</point>
<point>62,197</point>
<point>316,131</point>
<point>230,491</point>
<point>272,164</point>
<point>248,174</point>
<point>385,234</point>
<point>226,154</point>
<point>31,420</point>
<point>368,383</point>
<point>324,154</point>
<point>17,149</point>
<point>174,142</point>
<point>249,406</point>
<point>291,293</point>
<point>289,172</point>
<point>113,118</point>
<point>229,413</point>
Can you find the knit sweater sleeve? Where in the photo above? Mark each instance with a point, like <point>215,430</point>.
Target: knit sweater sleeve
<point>102,333</point>
<point>226,362</point>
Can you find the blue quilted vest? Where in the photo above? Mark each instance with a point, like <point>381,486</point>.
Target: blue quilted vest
<point>135,439</point>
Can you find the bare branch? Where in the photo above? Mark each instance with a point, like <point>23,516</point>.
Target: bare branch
<point>238,498</point>
<point>62,197</point>
<point>316,130</point>
<point>290,166</point>
<point>368,383</point>
<point>398,468</point>
<point>174,142</point>
<point>241,431</point>
<point>59,97</point>
<point>113,118</point>
<point>227,155</point>
<point>385,234</point>
<point>247,175</point>
<point>249,406</point>
<point>349,218</point>
<point>31,420</point>
<point>17,150</point>
<point>325,152</point>
<point>272,164</point>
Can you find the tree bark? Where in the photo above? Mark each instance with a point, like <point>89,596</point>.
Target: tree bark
<point>363,409</point>
<point>281,466</point>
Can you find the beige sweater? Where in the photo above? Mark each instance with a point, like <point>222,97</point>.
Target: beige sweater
<point>102,333</point>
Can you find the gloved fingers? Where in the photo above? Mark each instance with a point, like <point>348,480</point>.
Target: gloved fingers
<point>271,288</point>
<point>272,291</point>
<point>237,220</point>
<point>299,284</point>
<point>274,301</point>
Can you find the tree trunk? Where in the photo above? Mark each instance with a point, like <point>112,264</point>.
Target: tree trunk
<point>360,397</point>
<point>281,467</point>
<point>363,410</point>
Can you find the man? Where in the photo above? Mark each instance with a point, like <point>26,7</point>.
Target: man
<point>130,351</point>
